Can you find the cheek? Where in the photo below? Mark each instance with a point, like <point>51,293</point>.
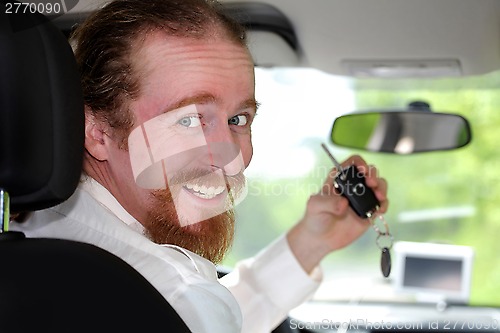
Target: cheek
<point>246,149</point>
<point>123,177</point>
<point>120,167</point>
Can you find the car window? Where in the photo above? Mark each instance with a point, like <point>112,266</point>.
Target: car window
<point>445,197</point>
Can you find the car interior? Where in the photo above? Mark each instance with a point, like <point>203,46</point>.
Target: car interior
<point>410,85</point>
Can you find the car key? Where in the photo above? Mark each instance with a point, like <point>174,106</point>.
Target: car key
<point>350,183</point>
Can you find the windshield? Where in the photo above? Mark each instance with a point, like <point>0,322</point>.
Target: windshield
<point>449,197</point>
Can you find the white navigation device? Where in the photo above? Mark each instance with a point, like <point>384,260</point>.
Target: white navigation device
<point>433,272</point>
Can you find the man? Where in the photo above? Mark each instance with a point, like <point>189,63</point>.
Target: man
<point>169,103</point>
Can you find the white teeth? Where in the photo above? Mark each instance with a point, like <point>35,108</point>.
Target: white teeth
<point>205,192</point>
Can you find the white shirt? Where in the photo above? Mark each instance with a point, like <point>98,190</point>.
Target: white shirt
<point>265,287</point>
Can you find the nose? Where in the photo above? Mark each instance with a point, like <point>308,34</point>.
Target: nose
<point>218,130</point>
<point>223,149</point>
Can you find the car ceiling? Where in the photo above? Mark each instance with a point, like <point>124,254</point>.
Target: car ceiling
<point>338,36</point>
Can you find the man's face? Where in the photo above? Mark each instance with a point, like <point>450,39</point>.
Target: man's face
<point>191,139</point>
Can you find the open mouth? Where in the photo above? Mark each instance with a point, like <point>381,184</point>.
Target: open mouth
<point>203,191</point>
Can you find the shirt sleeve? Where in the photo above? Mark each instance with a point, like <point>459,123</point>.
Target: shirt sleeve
<point>269,285</point>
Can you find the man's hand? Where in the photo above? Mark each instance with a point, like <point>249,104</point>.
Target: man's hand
<point>329,223</point>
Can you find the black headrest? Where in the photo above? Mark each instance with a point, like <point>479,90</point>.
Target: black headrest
<point>41,112</point>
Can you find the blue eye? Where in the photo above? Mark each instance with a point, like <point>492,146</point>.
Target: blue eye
<point>190,121</point>
<point>239,120</point>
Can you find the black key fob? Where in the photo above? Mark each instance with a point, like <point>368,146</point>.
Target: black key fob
<point>385,262</point>
<point>351,184</point>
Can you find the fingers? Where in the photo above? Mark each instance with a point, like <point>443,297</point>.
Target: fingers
<point>324,203</point>
<point>370,172</point>
<point>372,179</point>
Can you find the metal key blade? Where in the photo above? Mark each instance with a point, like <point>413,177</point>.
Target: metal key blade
<point>335,162</point>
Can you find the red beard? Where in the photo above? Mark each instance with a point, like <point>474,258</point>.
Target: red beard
<point>210,238</point>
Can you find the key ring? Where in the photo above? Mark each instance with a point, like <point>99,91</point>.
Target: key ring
<point>384,242</point>
<point>384,238</point>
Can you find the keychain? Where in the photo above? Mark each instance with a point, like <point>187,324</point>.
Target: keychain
<point>350,183</point>
<point>384,242</point>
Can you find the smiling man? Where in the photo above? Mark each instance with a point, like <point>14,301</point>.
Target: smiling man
<point>190,140</point>
<point>169,103</point>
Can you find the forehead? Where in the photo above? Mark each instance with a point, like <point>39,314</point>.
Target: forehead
<point>173,68</point>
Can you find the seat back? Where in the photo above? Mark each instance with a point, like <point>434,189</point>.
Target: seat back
<point>53,285</point>
<point>41,118</point>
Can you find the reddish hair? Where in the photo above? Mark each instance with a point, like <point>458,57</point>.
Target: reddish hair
<point>103,45</point>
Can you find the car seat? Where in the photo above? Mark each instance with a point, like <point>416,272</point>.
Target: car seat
<point>54,285</point>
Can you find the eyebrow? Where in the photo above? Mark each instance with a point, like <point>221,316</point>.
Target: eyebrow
<point>250,103</point>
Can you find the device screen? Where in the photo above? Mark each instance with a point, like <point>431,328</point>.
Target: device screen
<point>430,273</point>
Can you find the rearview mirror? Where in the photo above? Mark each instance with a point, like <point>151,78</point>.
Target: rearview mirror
<point>401,132</point>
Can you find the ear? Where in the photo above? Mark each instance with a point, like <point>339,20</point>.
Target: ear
<point>95,143</point>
